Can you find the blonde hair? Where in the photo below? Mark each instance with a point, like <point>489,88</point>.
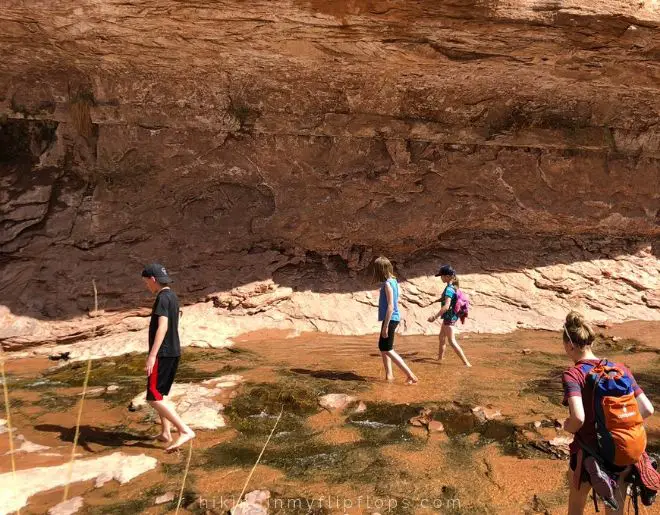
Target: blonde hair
<point>383,269</point>
<point>577,331</point>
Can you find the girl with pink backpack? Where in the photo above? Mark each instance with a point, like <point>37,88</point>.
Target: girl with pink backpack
<point>454,307</point>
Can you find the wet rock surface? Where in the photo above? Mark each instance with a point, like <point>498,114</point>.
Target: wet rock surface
<point>477,445</point>
<point>67,507</point>
<point>195,404</point>
<point>25,483</point>
<point>336,401</point>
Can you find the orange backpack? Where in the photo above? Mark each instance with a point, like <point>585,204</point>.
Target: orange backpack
<point>619,424</point>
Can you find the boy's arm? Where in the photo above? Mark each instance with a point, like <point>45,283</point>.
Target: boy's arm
<point>158,341</point>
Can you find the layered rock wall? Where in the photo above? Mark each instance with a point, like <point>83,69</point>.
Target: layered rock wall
<point>239,142</point>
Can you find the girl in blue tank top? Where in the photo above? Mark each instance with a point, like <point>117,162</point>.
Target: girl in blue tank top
<point>389,316</point>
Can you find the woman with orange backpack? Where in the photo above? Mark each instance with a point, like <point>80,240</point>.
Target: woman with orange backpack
<point>606,412</point>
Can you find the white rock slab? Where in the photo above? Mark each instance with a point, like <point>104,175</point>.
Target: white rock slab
<point>119,466</point>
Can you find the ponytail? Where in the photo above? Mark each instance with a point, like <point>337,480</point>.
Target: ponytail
<point>577,331</point>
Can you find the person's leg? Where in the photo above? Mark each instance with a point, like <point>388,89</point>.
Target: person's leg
<point>159,385</point>
<point>165,431</point>
<point>442,342</point>
<point>387,363</point>
<point>577,498</point>
<point>620,494</point>
<point>168,412</point>
<point>398,360</point>
<point>385,344</point>
<point>456,346</point>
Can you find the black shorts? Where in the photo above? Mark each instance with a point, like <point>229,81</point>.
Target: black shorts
<point>584,476</point>
<point>161,378</point>
<point>385,344</point>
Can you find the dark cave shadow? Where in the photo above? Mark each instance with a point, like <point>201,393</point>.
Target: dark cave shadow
<point>58,284</point>
<point>124,292</point>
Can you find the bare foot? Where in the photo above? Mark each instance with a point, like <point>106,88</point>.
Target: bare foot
<point>183,438</point>
<point>389,379</point>
<point>167,438</point>
<point>412,380</point>
<point>467,365</point>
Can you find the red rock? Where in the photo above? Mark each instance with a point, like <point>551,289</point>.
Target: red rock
<point>68,507</point>
<point>166,497</point>
<point>652,299</point>
<point>436,426</point>
<point>416,421</point>
<point>561,442</point>
<point>336,401</point>
<point>252,165</point>
<point>486,414</point>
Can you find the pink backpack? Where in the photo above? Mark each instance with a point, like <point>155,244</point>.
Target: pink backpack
<point>462,305</point>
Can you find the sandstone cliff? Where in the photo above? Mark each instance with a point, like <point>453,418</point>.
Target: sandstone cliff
<point>244,141</point>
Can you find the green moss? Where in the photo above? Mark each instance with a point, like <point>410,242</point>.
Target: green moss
<point>128,372</point>
<point>270,398</point>
<point>104,371</point>
<point>51,401</point>
<point>384,423</point>
<point>187,373</point>
<point>230,454</point>
<point>322,382</point>
<point>459,452</point>
<point>309,459</point>
<point>131,366</point>
<point>387,414</point>
<point>130,507</point>
<point>549,386</point>
<point>14,403</point>
<point>621,345</point>
<point>315,459</point>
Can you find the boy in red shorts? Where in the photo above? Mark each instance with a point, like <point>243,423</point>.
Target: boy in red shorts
<point>164,354</point>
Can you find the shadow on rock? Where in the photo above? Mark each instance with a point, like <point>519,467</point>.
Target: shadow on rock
<point>105,437</point>
<point>334,375</point>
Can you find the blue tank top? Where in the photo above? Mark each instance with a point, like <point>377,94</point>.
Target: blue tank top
<point>382,302</point>
<point>449,292</point>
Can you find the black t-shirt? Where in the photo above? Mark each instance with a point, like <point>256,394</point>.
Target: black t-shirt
<point>166,305</point>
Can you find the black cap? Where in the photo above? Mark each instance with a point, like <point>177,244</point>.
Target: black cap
<point>445,270</point>
<point>158,272</point>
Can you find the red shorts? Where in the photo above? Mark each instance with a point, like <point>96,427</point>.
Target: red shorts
<point>161,378</point>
